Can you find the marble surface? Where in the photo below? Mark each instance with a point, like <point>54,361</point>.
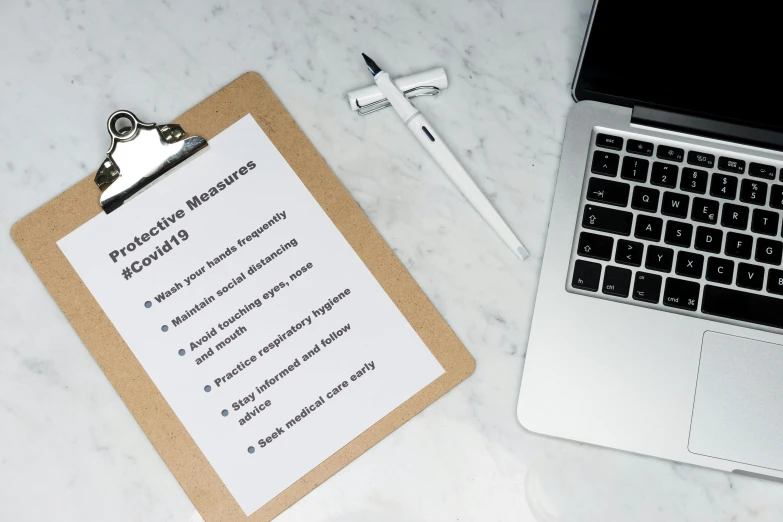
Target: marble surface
<point>69,449</point>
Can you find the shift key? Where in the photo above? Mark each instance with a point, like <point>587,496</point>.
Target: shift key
<point>607,220</point>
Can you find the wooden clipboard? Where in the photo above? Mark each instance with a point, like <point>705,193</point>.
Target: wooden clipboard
<point>37,234</point>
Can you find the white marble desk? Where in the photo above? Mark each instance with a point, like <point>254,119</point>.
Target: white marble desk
<point>69,449</point>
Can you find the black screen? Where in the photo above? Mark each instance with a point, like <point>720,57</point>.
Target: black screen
<point>714,59</point>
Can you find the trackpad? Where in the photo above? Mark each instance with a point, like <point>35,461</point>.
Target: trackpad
<point>738,410</point>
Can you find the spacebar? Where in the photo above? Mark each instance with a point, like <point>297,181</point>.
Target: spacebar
<point>742,306</point>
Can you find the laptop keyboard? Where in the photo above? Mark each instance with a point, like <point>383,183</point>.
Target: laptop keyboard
<point>692,231</point>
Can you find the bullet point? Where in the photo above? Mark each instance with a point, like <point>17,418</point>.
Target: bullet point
<point>181,351</point>
<point>207,388</point>
<point>251,450</point>
<point>148,304</point>
<point>224,413</point>
<point>164,328</point>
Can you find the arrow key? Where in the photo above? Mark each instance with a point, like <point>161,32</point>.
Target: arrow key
<point>647,287</point>
<point>629,252</point>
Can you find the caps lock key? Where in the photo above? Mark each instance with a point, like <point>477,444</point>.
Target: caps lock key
<point>607,220</point>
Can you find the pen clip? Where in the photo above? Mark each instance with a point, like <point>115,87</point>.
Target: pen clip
<point>423,90</point>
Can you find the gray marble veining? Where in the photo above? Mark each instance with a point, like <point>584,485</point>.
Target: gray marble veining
<point>69,449</point>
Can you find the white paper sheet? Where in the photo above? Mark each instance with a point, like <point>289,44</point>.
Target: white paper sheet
<point>263,301</point>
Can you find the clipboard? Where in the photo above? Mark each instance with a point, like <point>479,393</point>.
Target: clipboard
<point>37,234</point>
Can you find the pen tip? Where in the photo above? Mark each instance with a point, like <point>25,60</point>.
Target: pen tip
<point>374,69</point>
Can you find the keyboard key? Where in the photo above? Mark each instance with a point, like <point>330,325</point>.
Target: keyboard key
<point>720,270</point>
<point>679,293</point>
<point>731,165</point>
<point>640,147</point>
<point>608,141</point>
<point>659,259</point>
<point>606,191</point>
<point>678,233</point>
<point>723,186</point>
<point>701,159</point>
<point>605,163</point>
<point>694,180</point>
<point>628,252</point>
<point>705,210</point>
<point>742,306</point>
<point>750,276</point>
<point>595,246</point>
<point>586,275</point>
<point>764,222</point>
<point>769,251</point>
<point>734,216</point>
<point>647,287</point>
<point>675,204</point>
<point>645,198</point>
<point>664,174</point>
<point>739,245</point>
<point>670,153</point>
<point>776,197</point>
<point>648,227</point>
<point>760,170</point>
<point>607,220</point>
<point>634,169</point>
<point>689,264</point>
<point>617,281</point>
<point>708,239</point>
<point>753,191</point>
<point>775,281</point>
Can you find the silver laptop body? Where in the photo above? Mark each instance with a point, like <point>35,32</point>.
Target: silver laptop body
<point>694,374</point>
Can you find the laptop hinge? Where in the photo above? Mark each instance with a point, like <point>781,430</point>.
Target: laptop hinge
<point>707,127</point>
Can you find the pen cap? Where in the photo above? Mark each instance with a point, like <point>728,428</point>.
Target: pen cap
<point>432,78</point>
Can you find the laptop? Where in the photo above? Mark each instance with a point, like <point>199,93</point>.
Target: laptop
<point>658,324</point>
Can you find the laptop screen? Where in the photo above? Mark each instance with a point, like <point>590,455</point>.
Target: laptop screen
<point>719,60</point>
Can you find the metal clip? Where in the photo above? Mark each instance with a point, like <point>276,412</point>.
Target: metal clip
<point>139,154</point>
<point>426,90</point>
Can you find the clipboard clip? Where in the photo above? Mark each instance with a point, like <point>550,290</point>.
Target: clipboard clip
<point>139,154</point>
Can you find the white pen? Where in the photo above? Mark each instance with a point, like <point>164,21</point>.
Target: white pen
<point>430,140</point>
